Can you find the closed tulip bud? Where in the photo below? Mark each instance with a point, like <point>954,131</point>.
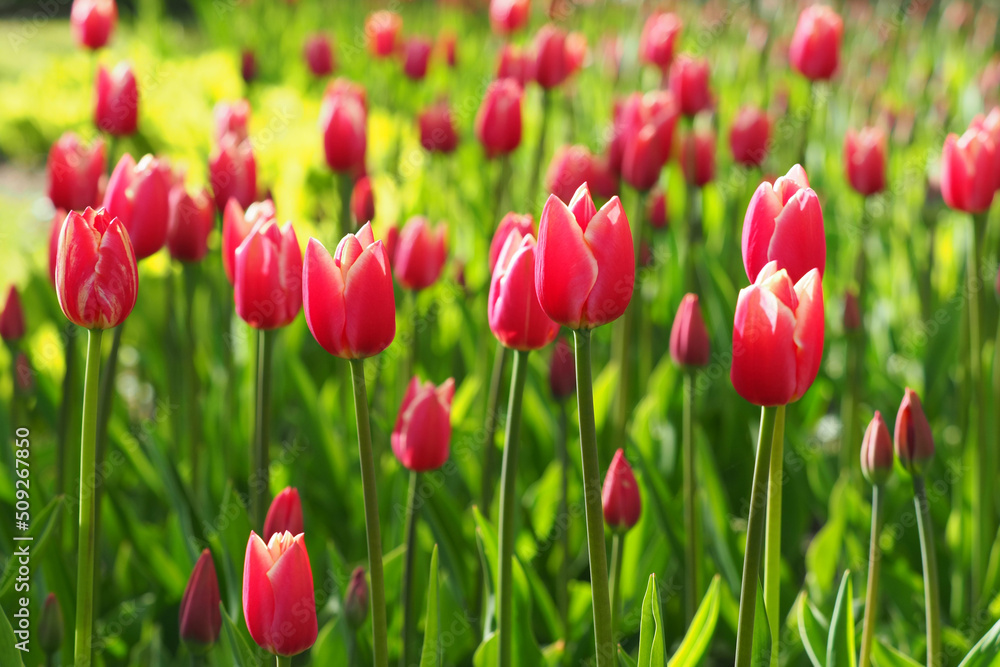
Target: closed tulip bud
<point>968,180</point>
<point>656,210</point>
<point>815,47</point>
<point>437,128</point>
<point>498,122</point>
<point>688,336</point>
<point>865,156</point>
<point>285,514</point>
<point>318,54</point>
<point>236,226</point>
<point>514,63</point>
<point>268,276</point>
<point>138,195</point>
<point>391,241</point>
<point>777,337</point>
<point>422,434</point>
<point>75,172</point>
<point>200,618</point>
<point>876,451</point>
<point>343,119</point>
<point>12,325</point>
<point>562,370</point>
<point>620,495</point>
<point>750,136</point>
<point>416,55</point>
<point>50,625</point>
<point>93,21</point>
<point>643,131</point>
<point>420,254</point>
<point>697,157</point>
<point>348,298</point>
<point>689,84</point>
<point>92,298</point>
<point>659,35</point>
<point>192,218</point>
<point>852,312</point>
<point>248,65</point>
<point>232,118</point>
<point>571,167</point>
<point>233,172</point>
<point>913,436</point>
<point>784,223</point>
<point>515,316</point>
<point>116,110</point>
<point>643,159</point>
<point>363,201</point>
<point>551,67</point>
<point>585,261</point>
<point>382,30</point>
<point>512,222</point>
<point>509,16</point>
<point>356,599</point>
<point>278,599</point>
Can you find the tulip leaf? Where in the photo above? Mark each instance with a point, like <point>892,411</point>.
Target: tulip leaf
<point>331,643</point>
<point>761,653</point>
<point>813,629</point>
<point>699,634</point>
<point>986,652</point>
<point>884,655</point>
<point>652,652</point>
<point>624,659</point>
<point>9,654</point>
<point>840,642</point>
<point>41,530</point>
<point>243,655</point>
<point>430,655</point>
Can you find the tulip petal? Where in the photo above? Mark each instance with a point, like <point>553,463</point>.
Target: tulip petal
<point>799,241</point>
<point>764,353</point>
<point>369,303</point>
<point>609,238</point>
<point>258,596</point>
<point>809,324</point>
<point>426,426</point>
<point>565,268</point>
<point>323,297</point>
<point>758,228</point>
<point>293,628</point>
<point>117,278</point>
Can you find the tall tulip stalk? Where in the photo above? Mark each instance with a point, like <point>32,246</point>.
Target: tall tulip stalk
<point>876,466</point>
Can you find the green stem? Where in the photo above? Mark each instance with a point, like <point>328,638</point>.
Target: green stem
<point>88,472</point>
<point>928,555</point>
<point>284,660</point>
<point>536,166</point>
<point>198,660</point>
<point>981,508</point>
<point>106,392</point>
<point>562,589</point>
<point>379,632</point>
<point>772,538</point>
<point>690,502</point>
<point>411,361</point>
<point>603,636</point>
<point>492,408</point>
<point>69,379</point>
<point>411,543</point>
<point>260,467</point>
<point>194,418</point>
<point>755,535</point>
<point>508,510</point>
<point>503,175</point>
<point>806,122</point>
<point>617,545</point>
<point>346,188</point>
<point>874,561</point>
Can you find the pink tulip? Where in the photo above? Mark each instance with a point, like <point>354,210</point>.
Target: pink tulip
<point>75,172</point>
<point>236,226</point>
<point>192,218</point>
<point>659,34</point>
<point>643,131</point>
<point>689,344</point>
<point>437,128</point>
<point>515,316</point>
<point>689,84</point>
<point>116,109</point>
<point>422,434</point>
<point>750,137</point>
<point>232,118</point>
<point>200,617</point>
<point>514,63</point>
<point>498,122</point>
<point>284,514</point>
<point>876,451</point>
<point>551,66</point>
<point>914,438</point>
<point>12,325</point>
<point>420,254</point>
<point>990,123</point>
<point>267,286</point>
<point>233,172</point>
<point>864,158</point>
<point>656,210</point>
<point>815,47</point>
<point>968,180</point>
<point>343,120</point>
<point>572,166</point>
<point>138,195</point>
<point>522,224</point>
<point>382,30</point>
<point>363,200</point>
<point>416,55</point>
<point>620,495</point>
<point>509,16</point>
<point>318,54</point>
<point>93,21</point>
<point>697,157</point>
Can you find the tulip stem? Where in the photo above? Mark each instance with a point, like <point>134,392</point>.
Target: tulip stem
<point>379,632</point>
<point>928,556</point>
<point>407,591</point>
<point>503,175</point>
<point>874,561</point>
<point>284,660</point>
<point>617,546</point>
<point>772,539</point>
<point>259,481</point>
<point>536,167</point>
<point>492,408</point>
<point>690,501</point>
<point>592,495</point>
<point>562,592</point>
<point>194,428</point>
<point>346,188</point>
<point>88,472</point>
<point>68,383</point>
<point>755,535</point>
<point>981,505</point>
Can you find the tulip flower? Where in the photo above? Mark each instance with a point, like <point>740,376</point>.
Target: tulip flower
<point>233,172</point>
<point>697,157</point>
<point>200,618</point>
<point>236,226</point>
<point>575,52</point>
<point>12,317</point>
<point>689,84</point>
<point>422,433</point>
<point>248,65</point>
<point>318,54</point>
<point>420,254</point>
<point>356,599</point>
<point>416,55</point>
<point>515,316</point>
<point>382,30</point>
<point>285,514</point>
<point>512,222</point>
<point>514,63</point>
<point>585,261</point>
<point>815,46</point>
<point>643,159</point>
<point>688,337</point>
<point>498,121</point>
<point>268,276</point>
<point>448,43</point>
<point>572,166</point>
<point>138,195</point>
<point>620,495</point>
<point>784,223</point>
<point>116,109</point>
<point>363,200</point>
<point>750,136</point>
<point>93,21</point>
<point>865,157</point>
<point>656,210</point>
<point>75,172</point>
<point>437,128</point>
<point>990,123</point>
<point>509,16</point>
<point>278,599</point>
<point>913,436</point>
<point>191,220</point>
<point>551,66</point>
<point>876,451</point>
<point>968,180</point>
<point>562,370</point>
<point>50,625</point>
<point>643,131</point>
<point>232,118</point>
<point>659,34</point>
<point>343,117</point>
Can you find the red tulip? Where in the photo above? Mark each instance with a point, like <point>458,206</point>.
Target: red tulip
<point>750,136</point>
<point>116,108</point>
<point>876,451</point>
<point>12,317</point>
<point>192,218</point>
<point>514,63</point>
<point>914,439</point>
<point>815,47</point>
<point>968,180</point>
<point>75,172</point>
<point>233,172</point>
<point>268,276</point>
<point>422,434</point>
<point>643,159</point>
<point>509,16</point>
<point>498,122</point>
<point>562,370</point>
<point>420,254</point>
<point>285,514</point>
<point>572,166</point>
<point>437,128</point>
<point>643,131</point>
<point>278,599</point>
<point>515,316</point>
<point>363,200</point>
<point>416,55</point>
<point>93,21</point>
<point>382,29</point>
<point>620,495</point>
<point>512,222</point>
<point>688,336</point>
<point>232,118</point>
<point>990,123</point>
<point>200,618</point>
<point>236,226</point>
<point>659,34</point>
<point>138,195</point>
<point>343,117</point>
<point>777,337</point>
<point>551,66</point>
<point>689,84</point>
<point>349,303</point>
<point>96,274</point>
<point>318,54</point>
<point>865,156</point>
<point>697,157</point>
<point>576,51</point>
<point>784,223</point>
<point>448,44</point>
<point>585,261</point>
<point>248,65</point>
<point>656,210</point>
<point>391,241</point>
<point>852,312</point>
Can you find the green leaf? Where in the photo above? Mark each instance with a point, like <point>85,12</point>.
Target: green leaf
<point>9,655</point>
<point>884,655</point>
<point>331,645</point>
<point>840,642</point>
<point>812,629</point>
<point>761,654</point>
<point>242,653</point>
<point>986,652</point>
<point>41,531</point>
<point>430,655</point>
<point>823,553</point>
<point>699,634</point>
<point>624,659</point>
<point>658,655</point>
<point>646,624</point>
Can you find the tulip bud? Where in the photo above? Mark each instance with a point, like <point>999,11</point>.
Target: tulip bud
<point>268,276</point>
<point>356,599</point>
<point>865,156</point>
<point>967,177</point>
<point>50,625</point>
<point>343,117</point>
<point>92,298</point>
<point>620,495</point>
<point>200,618</point>
<point>422,434</point>
<point>689,84</point>
<point>382,30</point>
<point>236,227</point>
<point>285,514</point>
<point>420,254</point>
<point>348,298</point>
<point>659,34</point>
<point>852,312</point>
<point>498,122</point>
<point>815,46</point>
<point>643,130</point>
<point>551,67</point>
<point>784,223</point>
<point>391,241</point>
<point>233,172</point>
<point>278,587</point>
<point>363,201</point>
<point>93,21</point>
<point>697,157</point>
<point>138,195</point>
<point>232,118</point>
<point>914,439</point>
<point>192,218</point>
<point>24,374</point>
<point>516,64</point>
<point>876,451</point>
<point>12,325</point>
<point>116,110</point>
<point>688,337</point>
<point>643,159</point>
<point>509,16</point>
<point>656,210</point>
<point>750,136</point>
<point>416,55</point>
<point>562,370</point>
<point>75,173</point>
<point>584,262</point>
<point>515,316</point>
<point>522,224</point>
<point>571,167</point>
<point>437,128</point>
<point>318,54</point>
<point>248,65</point>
